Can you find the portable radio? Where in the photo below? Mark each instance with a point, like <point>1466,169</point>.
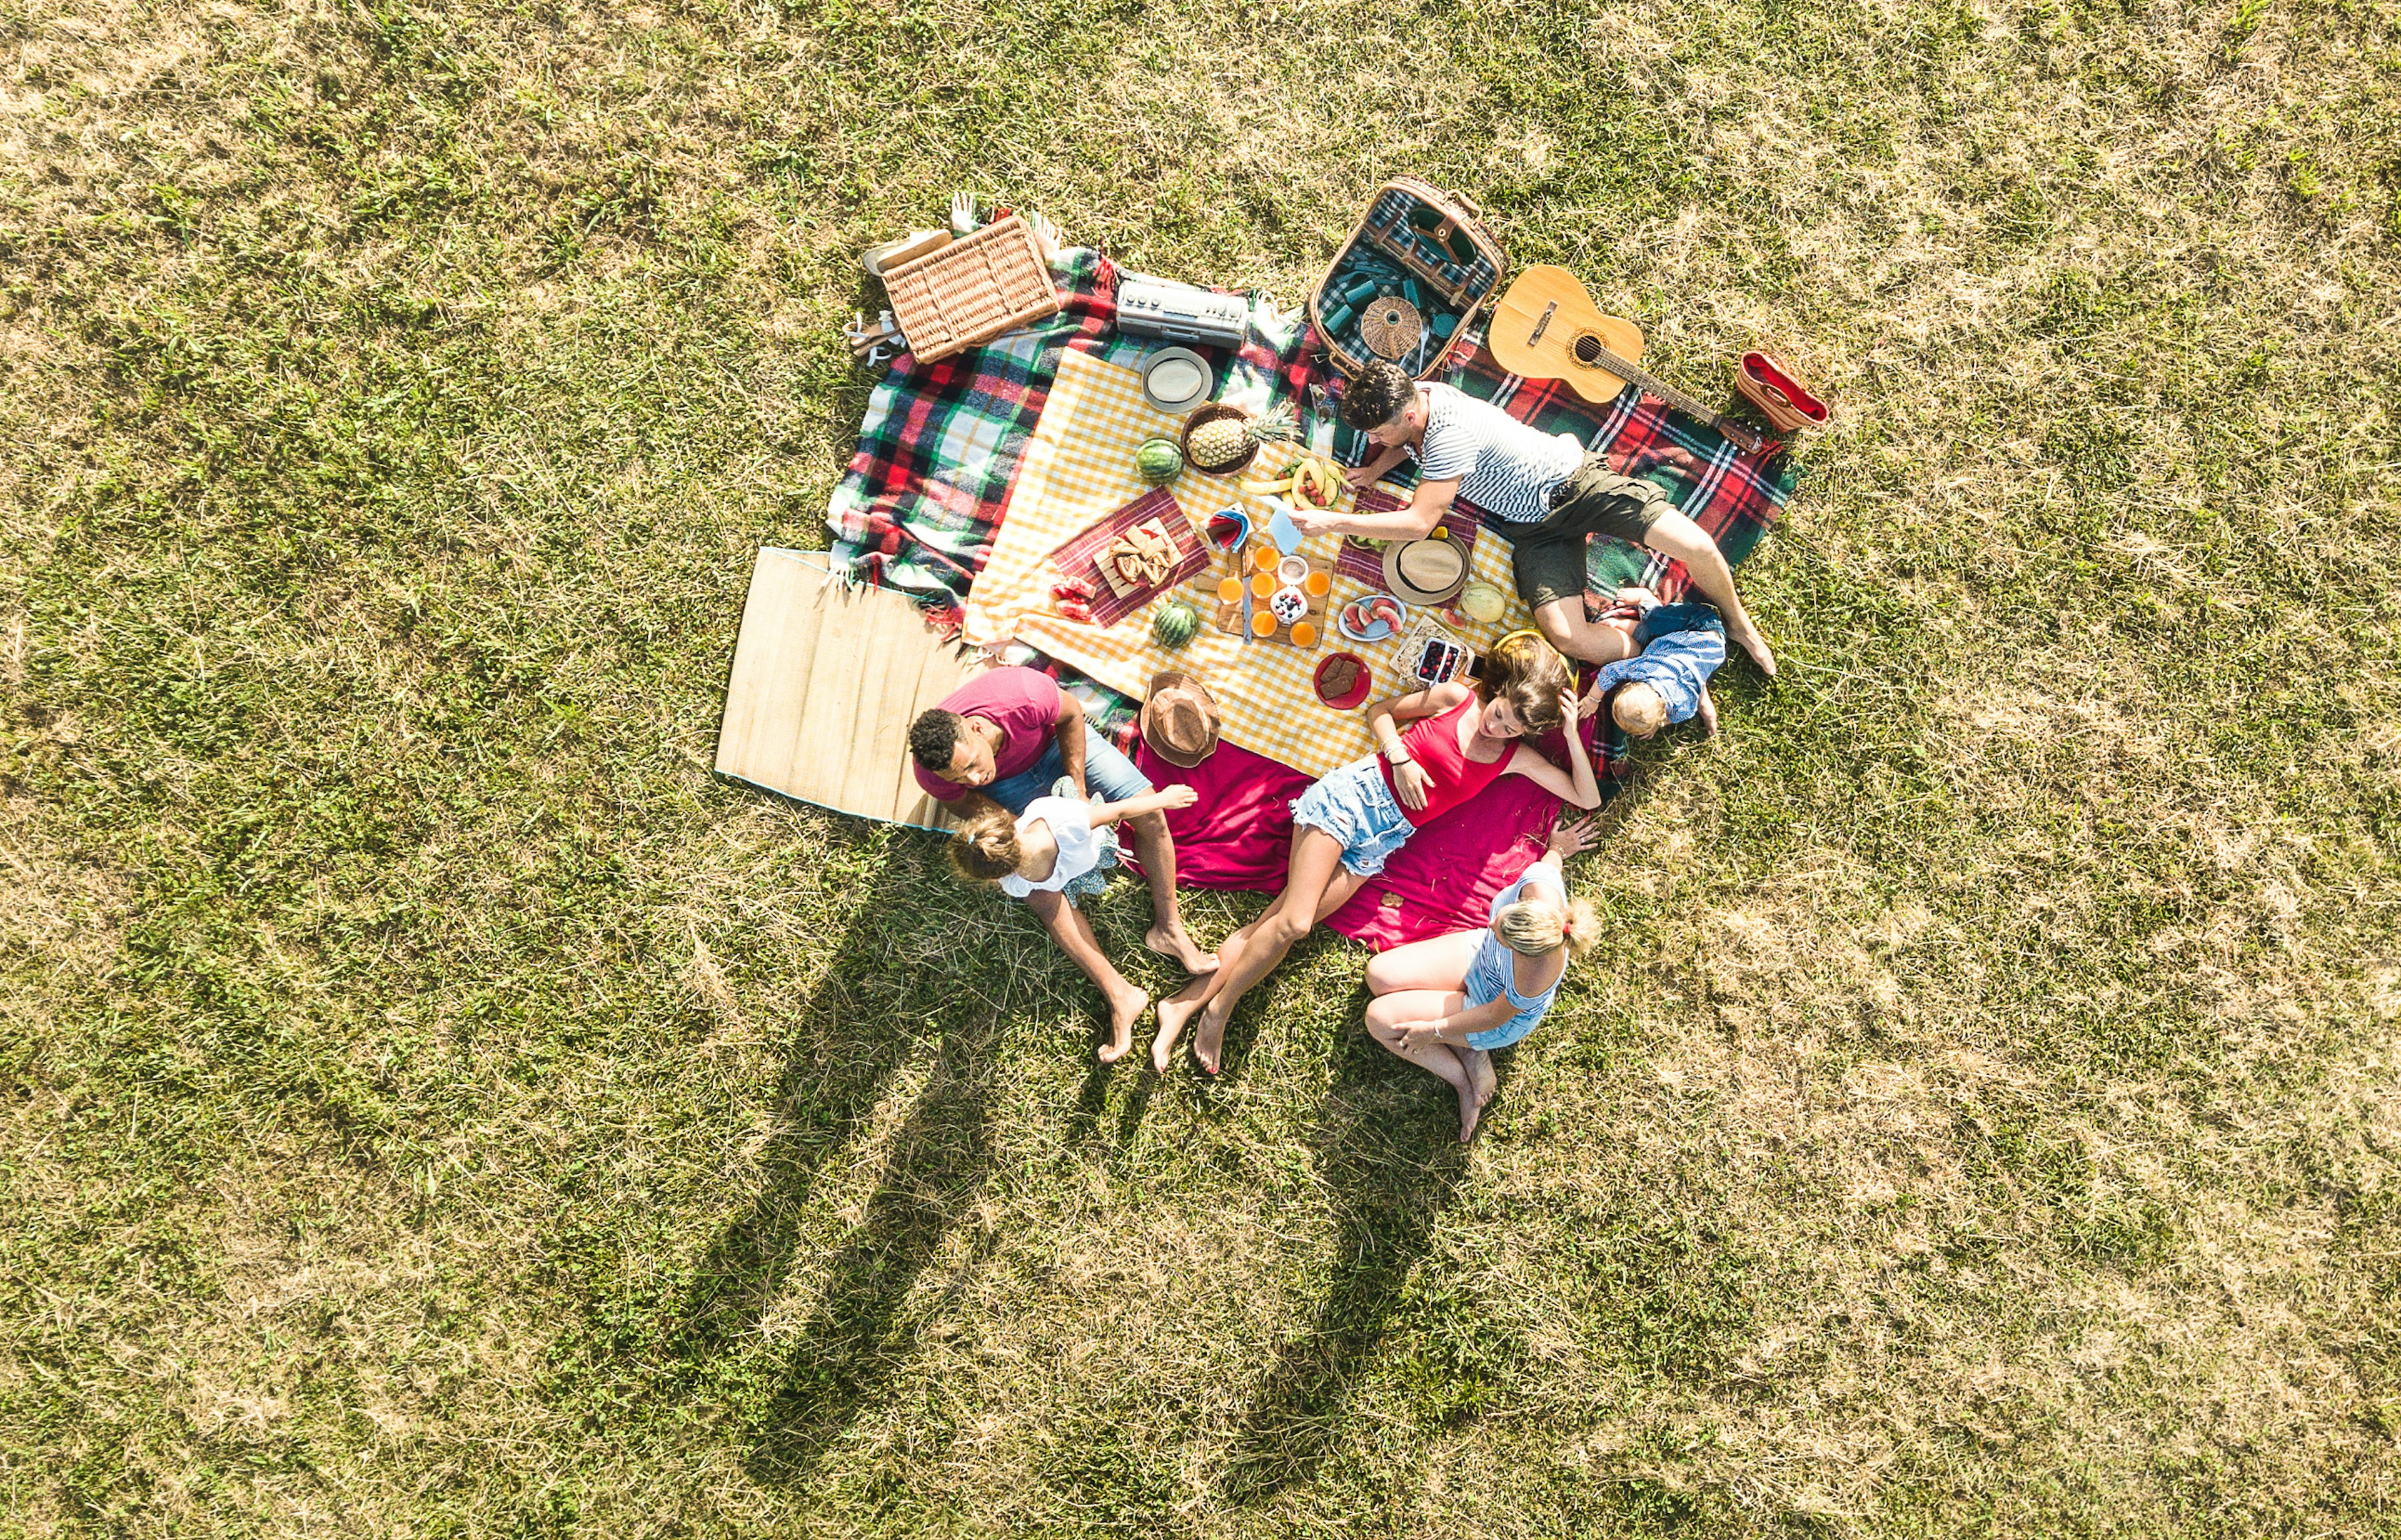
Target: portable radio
<point>1179,312</point>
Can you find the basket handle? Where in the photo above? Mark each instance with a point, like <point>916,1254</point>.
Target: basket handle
<point>1465,202</point>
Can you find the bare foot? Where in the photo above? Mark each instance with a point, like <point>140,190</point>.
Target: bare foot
<point>1756,645</point>
<point>1177,947</point>
<point>1175,1016</point>
<point>1209,1043</point>
<point>1480,1076</point>
<point>1469,1110</point>
<point>1124,1010</point>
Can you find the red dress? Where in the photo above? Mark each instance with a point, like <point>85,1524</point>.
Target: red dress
<point>1451,776</point>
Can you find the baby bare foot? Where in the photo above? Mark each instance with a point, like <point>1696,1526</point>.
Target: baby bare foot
<point>1177,947</point>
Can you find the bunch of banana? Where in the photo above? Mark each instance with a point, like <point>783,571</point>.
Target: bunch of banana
<point>1309,481</point>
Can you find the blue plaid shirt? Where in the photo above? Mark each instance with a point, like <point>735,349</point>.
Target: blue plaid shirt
<point>1682,645</point>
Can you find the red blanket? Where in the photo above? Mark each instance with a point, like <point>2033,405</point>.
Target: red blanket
<point>1239,834</point>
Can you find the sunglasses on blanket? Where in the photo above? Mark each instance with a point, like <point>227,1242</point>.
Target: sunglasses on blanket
<point>1432,224</point>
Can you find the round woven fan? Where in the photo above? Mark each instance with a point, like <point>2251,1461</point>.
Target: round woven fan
<point>1391,327</point>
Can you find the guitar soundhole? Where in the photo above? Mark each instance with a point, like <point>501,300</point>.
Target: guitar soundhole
<point>1585,350</point>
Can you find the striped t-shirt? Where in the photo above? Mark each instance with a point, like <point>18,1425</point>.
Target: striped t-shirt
<point>1502,466</point>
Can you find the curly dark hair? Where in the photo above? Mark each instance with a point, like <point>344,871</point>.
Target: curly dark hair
<point>1376,394</point>
<point>933,735</point>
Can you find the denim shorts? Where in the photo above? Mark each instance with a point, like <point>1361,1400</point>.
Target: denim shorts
<point>1488,978</point>
<point>1107,775</point>
<point>1355,807</point>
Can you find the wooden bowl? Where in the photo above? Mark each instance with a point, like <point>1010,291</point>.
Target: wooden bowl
<point>1210,413</point>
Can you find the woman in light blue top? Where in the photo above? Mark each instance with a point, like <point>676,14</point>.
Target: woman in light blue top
<point>1446,1003</point>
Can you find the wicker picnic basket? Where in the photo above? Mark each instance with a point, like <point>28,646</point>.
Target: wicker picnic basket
<point>1409,281</point>
<point>972,290</point>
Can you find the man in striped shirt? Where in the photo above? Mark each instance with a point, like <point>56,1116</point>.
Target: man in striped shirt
<point>1545,492</point>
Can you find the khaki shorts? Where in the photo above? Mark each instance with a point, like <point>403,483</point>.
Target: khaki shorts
<point>1548,559</point>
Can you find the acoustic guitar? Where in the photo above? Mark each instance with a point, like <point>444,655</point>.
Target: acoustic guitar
<point>1547,327</point>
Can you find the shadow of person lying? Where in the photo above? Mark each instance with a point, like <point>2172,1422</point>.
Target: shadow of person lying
<point>896,998</point>
<point>921,985</point>
<point>857,1337</point>
<point>1383,1146</point>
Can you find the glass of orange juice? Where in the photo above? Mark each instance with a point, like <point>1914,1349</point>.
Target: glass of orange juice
<point>1316,582</point>
<point>1263,584</point>
<point>1263,559</point>
<point>1263,624</point>
<point>1303,634</point>
<point>1229,591</point>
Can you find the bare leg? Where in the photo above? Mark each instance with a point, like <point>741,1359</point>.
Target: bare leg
<point>1073,934</point>
<point>1385,1014</point>
<point>1177,1011</point>
<point>1678,536</point>
<point>1155,848</point>
<point>1439,963</point>
<point>1317,885</point>
<point>1479,1070</point>
<point>1562,621</point>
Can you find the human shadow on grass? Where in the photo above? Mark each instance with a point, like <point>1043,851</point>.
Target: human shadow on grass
<point>890,993</point>
<point>1383,1144</point>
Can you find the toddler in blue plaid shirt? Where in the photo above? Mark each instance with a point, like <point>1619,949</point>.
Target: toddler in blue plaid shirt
<point>1678,646</point>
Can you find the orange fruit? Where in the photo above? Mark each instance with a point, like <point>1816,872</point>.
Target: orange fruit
<point>1263,624</point>
<point>1303,634</point>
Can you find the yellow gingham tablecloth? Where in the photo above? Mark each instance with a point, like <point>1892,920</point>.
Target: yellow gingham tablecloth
<point>1078,468</point>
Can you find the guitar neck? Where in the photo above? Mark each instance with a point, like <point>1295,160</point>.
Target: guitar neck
<point>1636,375</point>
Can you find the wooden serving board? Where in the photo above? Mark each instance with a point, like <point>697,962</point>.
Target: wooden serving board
<point>1229,616</point>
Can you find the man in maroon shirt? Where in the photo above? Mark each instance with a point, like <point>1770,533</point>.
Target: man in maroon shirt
<point>1002,739</point>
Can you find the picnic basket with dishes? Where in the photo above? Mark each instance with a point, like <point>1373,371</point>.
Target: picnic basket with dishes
<point>1408,283</point>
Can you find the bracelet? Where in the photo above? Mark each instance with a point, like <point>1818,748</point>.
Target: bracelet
<point>1396,761</point>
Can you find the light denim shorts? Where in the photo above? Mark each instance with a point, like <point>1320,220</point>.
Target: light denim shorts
<point>1355,807</point>
<point>1490,977</point>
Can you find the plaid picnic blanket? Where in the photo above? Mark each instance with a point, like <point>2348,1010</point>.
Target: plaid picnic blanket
<point>940,443</point>
<point>1735,497</point>
<point>941,446</point>
<point>1079,557</point>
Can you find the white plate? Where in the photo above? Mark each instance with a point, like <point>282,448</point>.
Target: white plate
<point>1381,631</point>
<point>1199,380</point>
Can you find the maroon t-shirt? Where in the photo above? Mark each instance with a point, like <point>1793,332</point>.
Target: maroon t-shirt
<point>1023,703</point>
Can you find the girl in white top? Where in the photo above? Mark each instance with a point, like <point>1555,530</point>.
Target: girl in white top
<point>1446,1003</point>
<point>1063,844</point>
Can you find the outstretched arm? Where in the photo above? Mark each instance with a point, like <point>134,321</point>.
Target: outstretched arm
<point>1415,522</point>
<point>1160,801</point>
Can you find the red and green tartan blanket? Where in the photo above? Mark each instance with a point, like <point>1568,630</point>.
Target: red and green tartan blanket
<point>940,445</point>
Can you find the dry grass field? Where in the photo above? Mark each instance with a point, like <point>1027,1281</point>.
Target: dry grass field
<point>435,1106</point>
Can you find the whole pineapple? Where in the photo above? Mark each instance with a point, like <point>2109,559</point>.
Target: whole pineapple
<point>1219,443</point>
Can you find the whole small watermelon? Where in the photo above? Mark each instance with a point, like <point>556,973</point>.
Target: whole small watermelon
<point>1174,625</point>
<point>1159,462</point>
